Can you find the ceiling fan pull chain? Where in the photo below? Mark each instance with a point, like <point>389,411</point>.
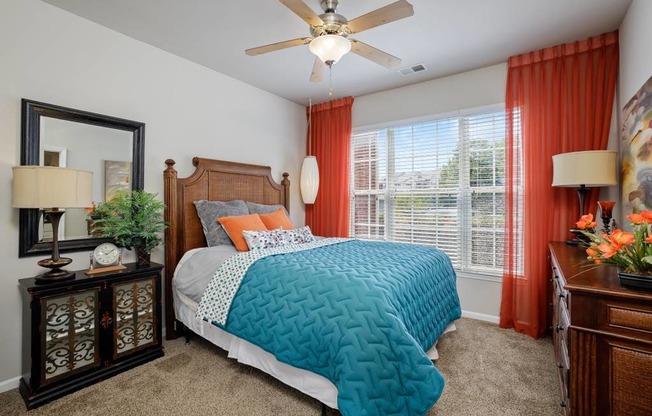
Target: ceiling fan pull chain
<point>309,126</point>
<point>330,80</point>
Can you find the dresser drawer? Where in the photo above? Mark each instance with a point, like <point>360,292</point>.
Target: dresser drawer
<point>561,298</point>
<point>560,328</point>
<point>564,402</point>
<point>628,368</point>
<point>558,277</point>
<point>628,319</point>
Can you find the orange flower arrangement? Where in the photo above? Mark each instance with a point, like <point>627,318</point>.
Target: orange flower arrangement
<point>586,222</point>
<point>632,252</point>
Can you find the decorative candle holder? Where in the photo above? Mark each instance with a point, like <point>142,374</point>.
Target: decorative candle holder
<point>606,208</point>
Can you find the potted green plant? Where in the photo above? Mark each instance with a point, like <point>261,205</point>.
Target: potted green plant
<point>134,219</point>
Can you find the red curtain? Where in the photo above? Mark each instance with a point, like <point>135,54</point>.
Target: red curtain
<point>330,142</point>
<point>562,97</point>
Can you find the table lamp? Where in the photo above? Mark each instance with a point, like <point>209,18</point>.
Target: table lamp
<point>583,171</point>
<point>52,188</point>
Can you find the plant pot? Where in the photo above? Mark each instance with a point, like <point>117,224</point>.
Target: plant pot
<point>142,256</point>
<point>635,280</point>
<point>90,227</point>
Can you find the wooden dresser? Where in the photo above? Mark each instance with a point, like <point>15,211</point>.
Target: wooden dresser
<point>602,335</point>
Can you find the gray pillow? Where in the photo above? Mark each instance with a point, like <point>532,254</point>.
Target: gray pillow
<point>210,211</point>
<point>264,209</point>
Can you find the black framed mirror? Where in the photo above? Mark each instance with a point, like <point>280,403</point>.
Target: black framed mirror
<point>60,136</point>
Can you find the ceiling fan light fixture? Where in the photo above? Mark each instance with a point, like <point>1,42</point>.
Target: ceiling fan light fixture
<point>330,48</point>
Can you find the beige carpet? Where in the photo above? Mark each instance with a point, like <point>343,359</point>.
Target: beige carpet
<point>488,371</point>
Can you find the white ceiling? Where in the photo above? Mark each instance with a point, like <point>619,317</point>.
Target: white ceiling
<point>448,36</point>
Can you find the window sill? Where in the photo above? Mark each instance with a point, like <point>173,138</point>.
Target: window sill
<point>488,277</point>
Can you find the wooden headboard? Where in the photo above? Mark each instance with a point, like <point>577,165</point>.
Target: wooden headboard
<point>213,180</point>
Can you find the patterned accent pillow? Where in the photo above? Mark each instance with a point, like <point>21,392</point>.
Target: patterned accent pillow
<point>255,208</point>
<point>210,211</point>
<point>257,240</point>
<point>299,235</point>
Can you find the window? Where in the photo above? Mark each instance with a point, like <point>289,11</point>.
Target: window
<point>439,182</point>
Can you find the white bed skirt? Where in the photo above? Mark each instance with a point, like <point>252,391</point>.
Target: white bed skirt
<point>247,353</point>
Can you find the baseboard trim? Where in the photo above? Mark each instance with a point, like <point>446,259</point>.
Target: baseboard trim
<point>10,384</point>
<point>481,317</point>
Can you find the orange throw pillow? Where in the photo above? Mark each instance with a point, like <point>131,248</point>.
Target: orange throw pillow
<point>276,219</point>
<point>234,226</point>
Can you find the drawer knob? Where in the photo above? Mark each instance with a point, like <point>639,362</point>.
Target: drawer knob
<point>562,404</point>
<point>559,365</point>
<point>559,328</point>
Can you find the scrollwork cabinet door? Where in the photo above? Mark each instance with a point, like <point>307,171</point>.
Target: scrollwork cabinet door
<point>70,334</point>
<point>134,316</point>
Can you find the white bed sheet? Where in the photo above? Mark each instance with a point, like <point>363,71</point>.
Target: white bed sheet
<point>247,353</point>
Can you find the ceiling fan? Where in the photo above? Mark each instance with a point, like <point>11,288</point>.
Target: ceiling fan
<point>330,32</point>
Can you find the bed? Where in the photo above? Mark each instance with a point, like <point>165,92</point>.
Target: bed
<point>418,387</point>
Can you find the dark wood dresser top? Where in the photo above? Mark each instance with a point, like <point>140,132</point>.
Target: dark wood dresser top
<point>582,276</point>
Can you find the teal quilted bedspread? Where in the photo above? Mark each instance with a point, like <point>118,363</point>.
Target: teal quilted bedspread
<point>360,314</point>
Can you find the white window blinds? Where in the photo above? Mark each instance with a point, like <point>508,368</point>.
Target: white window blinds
<point>438,182</point>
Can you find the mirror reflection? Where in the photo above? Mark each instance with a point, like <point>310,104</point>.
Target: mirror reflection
<point>111,147</point>
<point>106,152</point>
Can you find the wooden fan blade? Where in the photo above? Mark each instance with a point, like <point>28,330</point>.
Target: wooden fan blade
<point>317,70</point>
<point>277,46</point>
<point>390,13</point>
<point>373,54</point>
<point>302,10</point>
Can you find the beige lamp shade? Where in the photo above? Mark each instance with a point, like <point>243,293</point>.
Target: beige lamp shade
<point>51,187</point>
<point>591,168</point>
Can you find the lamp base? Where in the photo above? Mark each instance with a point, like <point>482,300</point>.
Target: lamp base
<point>57,273</point>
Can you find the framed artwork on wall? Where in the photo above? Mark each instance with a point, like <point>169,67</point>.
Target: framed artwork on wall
<point>636,150</point>
<point>117,177</point>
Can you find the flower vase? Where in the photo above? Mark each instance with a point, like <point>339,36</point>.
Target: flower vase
<point>143,257</point>
<point>635,280</point>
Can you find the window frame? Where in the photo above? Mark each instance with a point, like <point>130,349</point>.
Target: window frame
<point>465,191</point>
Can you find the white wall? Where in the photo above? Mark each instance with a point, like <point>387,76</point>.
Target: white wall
<point>484,86</point>
<point>481,87</point>
<point>635,69</point>
<point>635,59</point>
<point>52,56</point>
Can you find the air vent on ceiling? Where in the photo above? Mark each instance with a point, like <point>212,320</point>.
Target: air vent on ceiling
<point>411,69</point>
